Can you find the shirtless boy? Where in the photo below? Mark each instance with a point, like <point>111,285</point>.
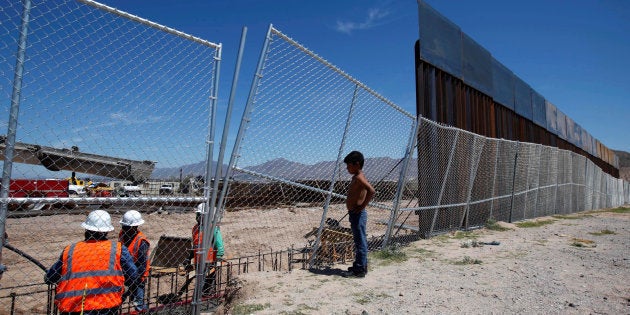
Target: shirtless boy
<point>360,193</point>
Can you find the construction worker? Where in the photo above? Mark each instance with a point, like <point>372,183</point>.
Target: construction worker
<point>91,275</point>
<point>214,254</point>
<point>138,246</point>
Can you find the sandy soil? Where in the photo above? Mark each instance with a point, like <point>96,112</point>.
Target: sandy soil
<point>577,264</point>
<point>532,270</point>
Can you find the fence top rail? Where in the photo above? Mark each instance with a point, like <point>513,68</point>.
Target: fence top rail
<point>150,24</point>
<point>515,142</point>
<point>334,68</point>
<point>110,200</point>
<point>310,188</point>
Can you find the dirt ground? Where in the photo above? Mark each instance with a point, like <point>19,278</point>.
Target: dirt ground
<point>575,264</point>
<point>245,232</point>
<point>532,270</point>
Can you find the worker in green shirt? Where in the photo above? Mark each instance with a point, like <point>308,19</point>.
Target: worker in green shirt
<point>214,255</point>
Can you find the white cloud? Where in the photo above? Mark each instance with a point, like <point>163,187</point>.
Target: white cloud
<point>126,119</point>
<point>118,118</point>
<point>374,18</point>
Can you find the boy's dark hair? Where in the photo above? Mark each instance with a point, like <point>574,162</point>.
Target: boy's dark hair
<point>354,157</point>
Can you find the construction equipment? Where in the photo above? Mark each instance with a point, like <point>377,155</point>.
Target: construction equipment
<point>55,159</point>
<point>125,189</point>
<point>100,190</point>
<point>37,188</point>
<point>77,187</point>
<point>166,189</point>
<point>192,185</point>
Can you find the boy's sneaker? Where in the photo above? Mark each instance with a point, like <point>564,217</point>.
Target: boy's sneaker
<point>352,274</point>
<point>351,268</point>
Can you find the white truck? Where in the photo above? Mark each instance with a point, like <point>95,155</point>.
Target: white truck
<point>125,189</point>
<point>166,189</point>
<point>131,190</point>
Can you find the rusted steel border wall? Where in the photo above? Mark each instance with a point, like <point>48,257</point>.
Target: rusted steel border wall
<point>446,99</point>
<point>461,84</point>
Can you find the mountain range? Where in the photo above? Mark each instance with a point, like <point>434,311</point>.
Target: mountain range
<point>377,169</point>
<point>383,168</point>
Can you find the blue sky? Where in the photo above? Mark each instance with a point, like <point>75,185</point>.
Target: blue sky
<point>574,53</point>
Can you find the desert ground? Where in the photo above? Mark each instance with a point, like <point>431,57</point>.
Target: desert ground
<point>571,264</point>
<point>574,264</point>
<point>43,237</point>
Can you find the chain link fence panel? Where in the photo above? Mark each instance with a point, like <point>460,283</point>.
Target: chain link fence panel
<point>532,189</point>
<point>482,197</point>
<point>111,106</point>
<point>303,117</point>
<point>521,177</point>
<point>548,177</point>
<point>578,173</point>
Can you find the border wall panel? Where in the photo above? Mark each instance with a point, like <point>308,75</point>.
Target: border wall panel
<point>441,40</point>
<point>539,109</point>
<point>477,65</point>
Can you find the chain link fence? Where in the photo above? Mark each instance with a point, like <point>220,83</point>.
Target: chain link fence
<point>117,113</point>
<point>288,183</point>
<point>102,111</point>
<point>304,115</point>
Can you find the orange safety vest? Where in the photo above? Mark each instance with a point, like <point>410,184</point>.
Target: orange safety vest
<point>134,248</point>
<point>197,242</point>
<point>90,269</point>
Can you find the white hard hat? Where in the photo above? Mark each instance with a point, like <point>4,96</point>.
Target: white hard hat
<point>98,221</point>
<point>131,218</point>
<point>201,208</point>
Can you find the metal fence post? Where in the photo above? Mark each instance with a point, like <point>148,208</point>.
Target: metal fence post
<point>12,124</point>
<point>555,193</point>
<point>527,166</point>
<point>444,181</point>
<point>208,238</point>
<point>607,194</point>
<point>494,176</point>
<point>474,166</point>
<point>513,180</point>
<point>413,140</point>
<point>226,125</point>
<point>331,188</point>
<point>210,193</point>
<point>538,153</point>
<point>246,115</point>
<point>585,196</point>
<point>573,183</point>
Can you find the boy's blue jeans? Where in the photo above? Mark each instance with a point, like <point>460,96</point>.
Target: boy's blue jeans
<point>358,224</point>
